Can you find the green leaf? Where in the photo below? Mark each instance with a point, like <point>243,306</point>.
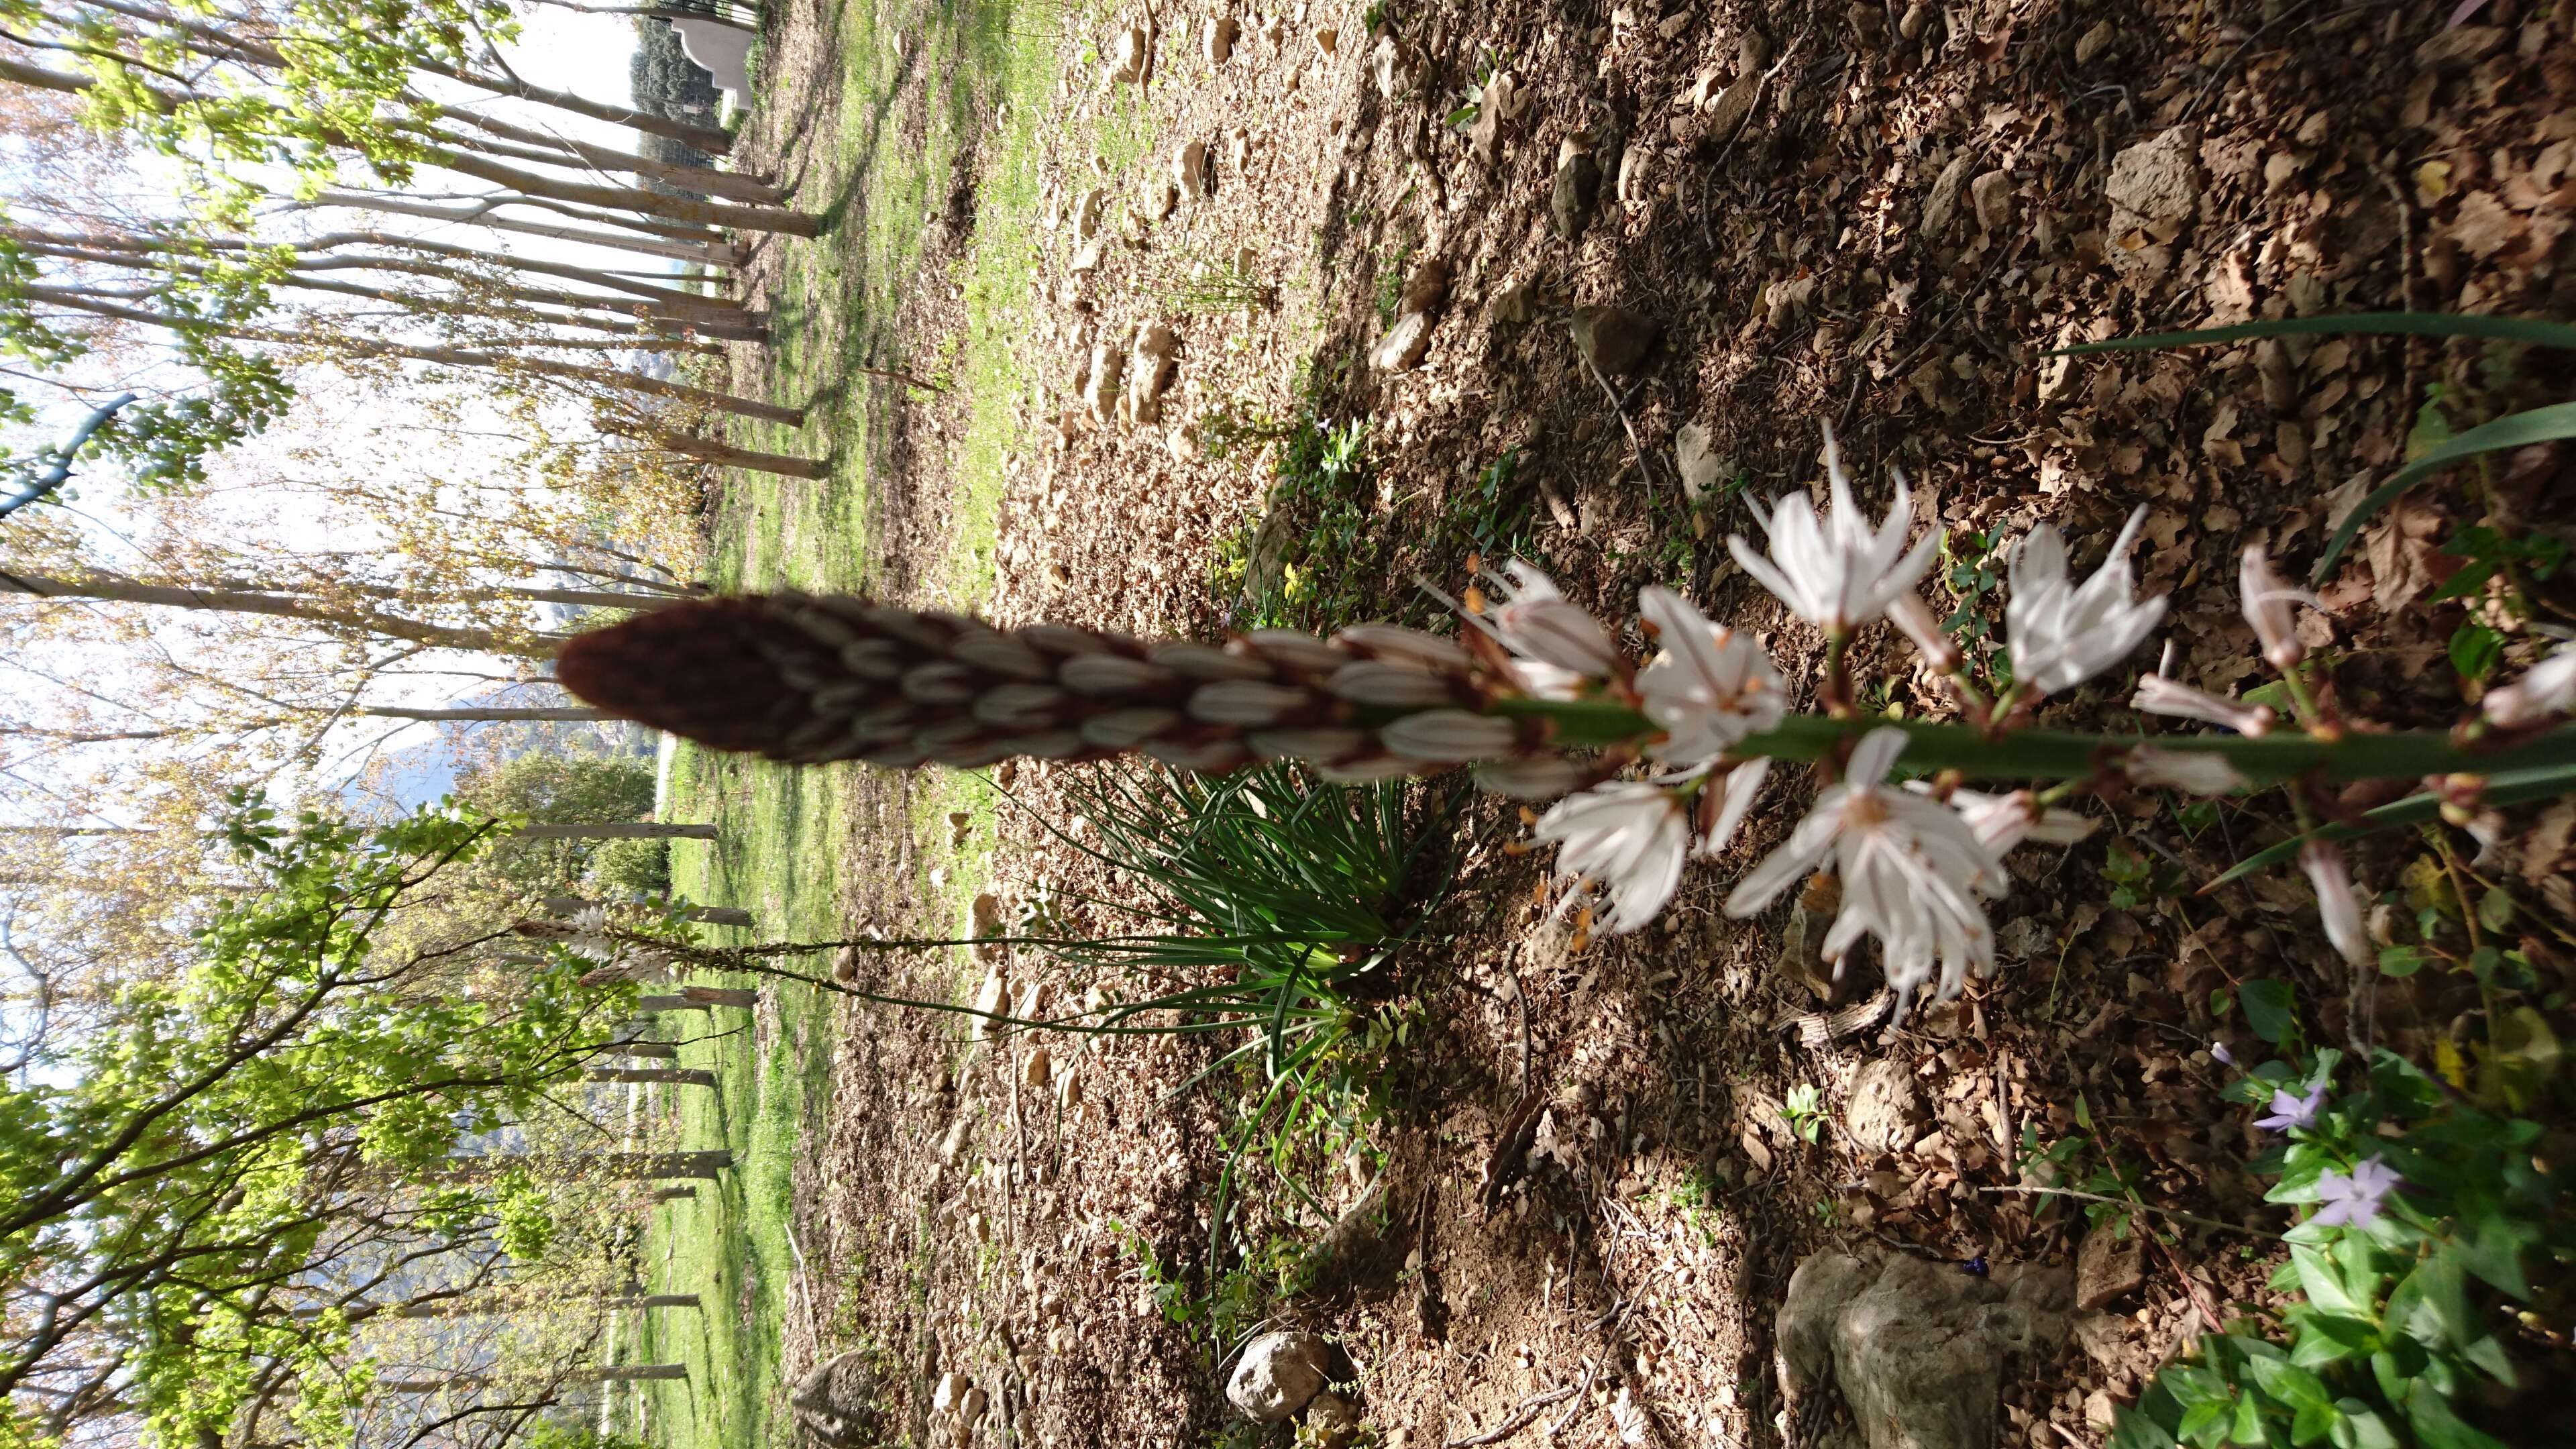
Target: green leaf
<point>2362,1427</point>
<point>2475,651</point>
<point>2505,787</point>
<point>2131,1429</point>
<point>2495,910</point>
<point>2268,1008</point>
<point>2324,1288</point>
<point>2288,1382</point>
<point>2535,425</point>
<point>2437,1427</point>
<point>2411,324</point>
<point>2326,1338</point>
<point>2401,961</point>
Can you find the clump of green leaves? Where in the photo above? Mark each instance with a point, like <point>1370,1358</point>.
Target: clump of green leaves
<point>1805,1109</point>
<point>1492,517</point>
<point>2411,1322</point>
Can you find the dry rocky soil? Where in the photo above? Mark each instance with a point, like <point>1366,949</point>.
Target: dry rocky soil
<point>1878,218</point>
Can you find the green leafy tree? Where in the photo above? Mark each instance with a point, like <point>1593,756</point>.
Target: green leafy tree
<point>547,788</point>
<point>197,1190</point>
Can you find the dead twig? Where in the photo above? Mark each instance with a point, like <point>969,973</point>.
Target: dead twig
<point>2196,1221</point>
<point>1518,1419</point>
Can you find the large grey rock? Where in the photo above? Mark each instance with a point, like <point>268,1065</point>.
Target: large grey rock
<point>1915,1348</point>
<point>1279,1374</point>
<point>836,1402</point>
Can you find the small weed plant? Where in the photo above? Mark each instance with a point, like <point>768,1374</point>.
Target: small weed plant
<point>2427,1272</point>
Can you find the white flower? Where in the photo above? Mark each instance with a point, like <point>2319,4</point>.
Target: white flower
<point>1734,802</point>
<point>1449,736</point>
<point>1536,622</point>
<point>2337,901</point>
<point>2060,634</point>
<point>1836,572</point>
<point>2193,772</point>
<point>1910,869</point>
<point>1628,836</point>
<point>1709,688</point>
<point>1538,777</point>
<point>2159,695</point>
<point>2001,822</point>
<point>1913,618</point>
<point>2546,690</point>
<point>2353,1201</point>
<point>2266,598</point>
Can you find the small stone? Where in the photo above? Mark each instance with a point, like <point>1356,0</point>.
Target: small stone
<point>1991,194</point>
<point>2095,41</point>
<point>1279,1374</point>
<point>1918,18</point>
<point>984,915</point>
<point>1161,198</point>
<point>1403,345</point>
<point>845,964</point>
<point>2156,180</point>
<point>1328,42</point>
<point>1100,394</point>
<point>1880,1115</point>
<point>1733,104</point>
<point>1673,24</point>
<point>1614,339</point>
<point>1577,188</point>
<point>1632,174</point>
<point>1130,63</point>
<point>989,998</point>
<point>1391,67</point>
<point>1155,339</point>
<point>1427,288</point>
<point>951,1391</point>
<point>1183,442</point>
<point>1497,108</point>
<point>2108,1266</point>
<point>1516,304</point>
<point>1217,41</point>
<point>1333,1420</point>
<point>1943,201</point>
<point>955,1142</point>
<point>1036,1072</point>
<point>2099,1410</point>
<point>1869,23</point>
<point>1190,170</point>
<point>1087,213</point>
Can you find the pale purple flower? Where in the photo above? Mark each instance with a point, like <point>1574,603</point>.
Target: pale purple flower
<point>2289,1109</point>
<point>2061,634</point>
<point>1836,571</point>
<point>2545,691</point>
<point>1628,837</point>
<point>2159,695</point>
<point>1709,688</point>
<point>1911,871</point>
<point>2353,1201</point>
<point>2193,772</point>
<point>2225,1057</point>
<point>2337,901</point>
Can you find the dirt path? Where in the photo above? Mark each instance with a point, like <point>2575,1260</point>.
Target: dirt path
<point>1871,216</point>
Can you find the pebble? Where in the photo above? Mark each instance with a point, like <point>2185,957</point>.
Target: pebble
<point>1217,41</point>
<point>1576,189</point>
<point>1403,345</point>
<point>1279,1374</point>
<point>1614,339</point>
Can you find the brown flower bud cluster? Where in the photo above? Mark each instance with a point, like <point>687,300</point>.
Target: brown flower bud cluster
<point>812,678</point>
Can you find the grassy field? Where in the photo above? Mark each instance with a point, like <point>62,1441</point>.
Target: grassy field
<point>983,69</point>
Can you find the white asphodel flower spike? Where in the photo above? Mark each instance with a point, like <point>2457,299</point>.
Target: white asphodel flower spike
<point>2545,691</point>
<point>2193,772</point>
<point>2337,901</point>
<point>1535,621</point>
<point>1709,688</point>
<point>2061,634</point>
<point>2159,695</point>
<point>2266,598</point>
<point>1837,572</point>
<point>1629,838</point>
<point>1911,870</point>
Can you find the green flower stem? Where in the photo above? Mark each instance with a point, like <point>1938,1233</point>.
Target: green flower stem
<point>2040,754</point>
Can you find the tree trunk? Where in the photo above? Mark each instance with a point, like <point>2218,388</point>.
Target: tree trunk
<point>649,1050</point>
<point>440,356</point>
<point>702,1164</point>
<point>674,1076</point>
<point>650,1004</point>
<point>112,588</point>
<point>538,712</point>
<point>485,214</point>
<point>562,907</point>
<point>614,1374</point>
<point>725,454</point>
<point>625,198</point>
<point>619,830</point>
<point>728,184</point>
<point>709,139</point>
<point>721,995</point>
